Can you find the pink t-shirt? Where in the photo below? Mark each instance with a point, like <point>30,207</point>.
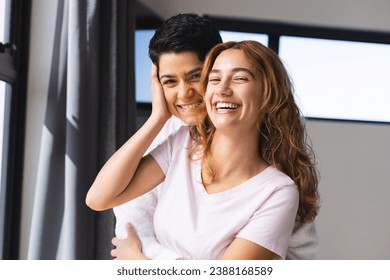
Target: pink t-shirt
<point>198,225</point>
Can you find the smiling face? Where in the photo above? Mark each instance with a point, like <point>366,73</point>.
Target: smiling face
<point>233,92</point>
<point>179,75</point>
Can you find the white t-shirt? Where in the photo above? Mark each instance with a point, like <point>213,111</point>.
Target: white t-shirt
<point>140,211</point>
<point>199,225</point>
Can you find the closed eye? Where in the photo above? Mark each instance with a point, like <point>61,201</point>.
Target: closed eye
<point>214,80</point>
<point>168,82</point>
<point>241,79</point>
<point>195,76</point>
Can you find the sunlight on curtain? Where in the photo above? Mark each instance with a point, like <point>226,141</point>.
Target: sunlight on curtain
<point>89,110</point>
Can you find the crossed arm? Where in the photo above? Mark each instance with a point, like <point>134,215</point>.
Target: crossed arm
<point>130,248</point>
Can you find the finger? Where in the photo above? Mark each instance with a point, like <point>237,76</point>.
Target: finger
<point>114,241</point>
<point>113,253</point>
<point>132,235</point>
<point>153,72</point>
<point>130,229</point>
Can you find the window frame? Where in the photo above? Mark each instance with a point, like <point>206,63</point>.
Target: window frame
<point>15,73</point>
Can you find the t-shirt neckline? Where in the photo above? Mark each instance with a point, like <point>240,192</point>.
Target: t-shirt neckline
<point>232,192</point>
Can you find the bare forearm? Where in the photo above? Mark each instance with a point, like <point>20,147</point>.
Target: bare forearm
<point>242,249</point>
<point>119,170</point>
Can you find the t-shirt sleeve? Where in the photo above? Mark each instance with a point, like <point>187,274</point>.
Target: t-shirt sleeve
<point>163,153</point>
<point>170,127</point>
<point>138,212</point>
<point>272,224</point>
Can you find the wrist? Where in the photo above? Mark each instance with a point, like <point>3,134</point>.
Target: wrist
<point>142,257</point>
<point>159,119</point>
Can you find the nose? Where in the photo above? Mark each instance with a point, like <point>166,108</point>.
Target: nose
<point>223,89</point>
<point>185,91</point>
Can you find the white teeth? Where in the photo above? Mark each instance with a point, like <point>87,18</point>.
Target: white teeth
<point>189,106</point>
<point>225,105</point>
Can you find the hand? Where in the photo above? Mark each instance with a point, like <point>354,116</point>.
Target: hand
<point>159,104</point>
<point>129,248</point>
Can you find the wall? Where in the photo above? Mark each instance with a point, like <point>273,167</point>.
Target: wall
<point>354,161</point>
<point>360,14</point>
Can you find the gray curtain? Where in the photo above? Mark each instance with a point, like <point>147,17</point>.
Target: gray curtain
<point>90,112</point>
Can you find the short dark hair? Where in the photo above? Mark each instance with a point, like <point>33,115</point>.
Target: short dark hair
<point>184,32</point>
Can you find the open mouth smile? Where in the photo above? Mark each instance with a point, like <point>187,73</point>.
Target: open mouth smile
<point>186,107</point>
<point>225,106</point>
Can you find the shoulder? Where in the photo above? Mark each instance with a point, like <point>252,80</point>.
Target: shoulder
<point>180,136</point>
<point>170,128</point>
<point>280,189</point>
<point>278,179</point>
<point>183,132</point>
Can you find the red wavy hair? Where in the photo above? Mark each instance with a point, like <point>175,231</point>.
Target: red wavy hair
<point>284,143</point>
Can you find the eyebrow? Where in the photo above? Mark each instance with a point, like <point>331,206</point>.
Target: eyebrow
<point>187,74</point>
<point>238,69</point>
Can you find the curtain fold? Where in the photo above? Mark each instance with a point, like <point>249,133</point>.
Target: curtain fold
<point>90,112</point>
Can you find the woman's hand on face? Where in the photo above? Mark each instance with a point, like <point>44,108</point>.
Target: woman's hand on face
<point>159,103</point>
<point>128,248</point>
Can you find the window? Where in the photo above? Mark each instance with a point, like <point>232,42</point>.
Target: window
<point>5,92</point>
<point>3,20</point>
<point>2,100</point>
<point>4,104</point>
<point>14,38</point>
<point>337,79</point>
<point>240,36</point>
<point>143,65</point>
<point>2,84</point>
<point>338,74</point>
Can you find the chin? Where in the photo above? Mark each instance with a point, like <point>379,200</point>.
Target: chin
<point>190,120</point>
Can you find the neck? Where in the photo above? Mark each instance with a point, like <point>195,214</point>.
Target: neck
<point>235,155</point>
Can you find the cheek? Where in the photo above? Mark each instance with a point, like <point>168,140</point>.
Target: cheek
<point>209,92</point>
<point>255,102</point>
<point>253,94</point>
<point>208,97</point>
<point>197,89</point>
<point>170,96</point>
